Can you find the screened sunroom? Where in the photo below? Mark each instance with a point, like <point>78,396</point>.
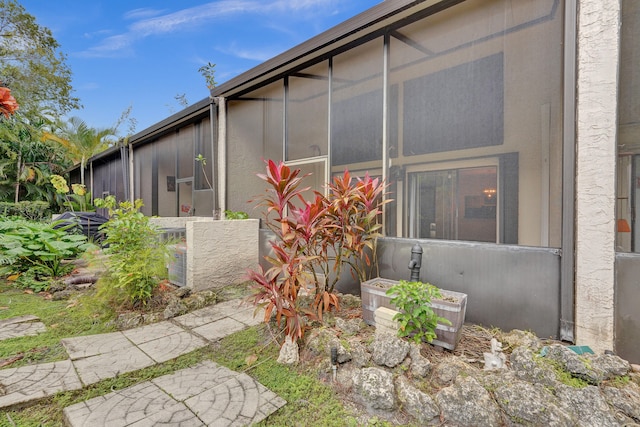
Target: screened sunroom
<point>459,107</point>
<point>507,132</point>
<point>460,111</point>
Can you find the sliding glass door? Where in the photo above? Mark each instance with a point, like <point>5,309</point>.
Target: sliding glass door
<point>454,204</point>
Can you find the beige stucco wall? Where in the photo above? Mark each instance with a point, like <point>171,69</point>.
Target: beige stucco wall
<point>220,252</point>
<point>598,34</point>
<point>175,221</point>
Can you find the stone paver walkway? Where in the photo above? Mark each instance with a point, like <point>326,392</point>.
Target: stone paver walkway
<point>20,326</point>
<point>206,394</point>
<point>203,395</point>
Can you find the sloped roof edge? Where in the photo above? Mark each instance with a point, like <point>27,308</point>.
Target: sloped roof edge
<point>386,9</point>
<point>380,12</point>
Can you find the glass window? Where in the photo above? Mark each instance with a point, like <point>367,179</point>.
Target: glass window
<point>454,204</point>
<point>166,157</point>
<point>204,147</point>
<point>356,106</point>
<point>628,168</point>
<point>479,80</point>
<point>186,157</point>
<point>254,132</point>
<point>143,161</point>
<point>307,112</point>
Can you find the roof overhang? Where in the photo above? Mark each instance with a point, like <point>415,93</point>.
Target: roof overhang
<point>387,13</point>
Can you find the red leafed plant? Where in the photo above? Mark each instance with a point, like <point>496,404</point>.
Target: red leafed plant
<point>8,104</point>
<point>314,239</point>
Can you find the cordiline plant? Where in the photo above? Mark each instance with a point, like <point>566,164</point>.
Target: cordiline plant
<point>278,287</point>
<point>314,239</point>
<point>354,209</point>
<point>277,290</point>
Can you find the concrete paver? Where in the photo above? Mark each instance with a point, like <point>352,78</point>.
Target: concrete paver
<point>190,382</point>
<point>172,346</point>
<point>26,383</point>
<point>200,317</point>
<point>238,401</point>
<point>219,329</point>
<point>20,326</point>
<point>93,345</point>
<point>152,332</point>
<point>203,395</point>
<point>122,407</point>
<point>96,368</point>
<point>249,316</point>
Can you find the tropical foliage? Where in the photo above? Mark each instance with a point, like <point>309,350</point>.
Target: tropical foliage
<point>35,211</point>
<point>8,104</point>
<point>314,240</point>
<point>416,318</point>
<point>28,159</point>
<point>37,248</point>
<point>34,141</point>
<point>83,141</point>
<point>78,198</point>
<point>32,66</point>
<point>137,256</point>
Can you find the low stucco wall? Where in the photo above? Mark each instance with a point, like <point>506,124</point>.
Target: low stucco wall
<point>176,222</point>
<point>220,252</point>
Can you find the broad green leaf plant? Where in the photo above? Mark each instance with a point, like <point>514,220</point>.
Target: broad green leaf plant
<point>37,248</point>
<point>137,256</point>
<point>416,317</point>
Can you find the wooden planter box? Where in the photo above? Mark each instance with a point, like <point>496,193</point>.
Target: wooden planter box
<point>374,294</point>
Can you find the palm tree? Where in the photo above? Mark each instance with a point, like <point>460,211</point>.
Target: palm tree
<point>84,142</point>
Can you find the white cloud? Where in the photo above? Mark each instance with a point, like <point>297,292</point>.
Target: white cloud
<point>187,18</point>
<point>303,4</point>
<point>114,46</point>
<point>142,13</point>
<point>94,34</point>
<point>89,86</point>
<point>282,29</point>
<point>254,54</point>
<point>149,22</point>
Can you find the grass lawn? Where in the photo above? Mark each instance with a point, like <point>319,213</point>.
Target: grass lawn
<point>74,317</point>
<point>310,402</point>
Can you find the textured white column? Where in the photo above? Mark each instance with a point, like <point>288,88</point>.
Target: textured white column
<point>597,75</point>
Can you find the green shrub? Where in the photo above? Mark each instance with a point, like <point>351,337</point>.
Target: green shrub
<point>137,256</point>
<point>235,215</point>
<point>37,248</point>
<point>35,211</point>
<point>416,317</point>
<point>78,199</point>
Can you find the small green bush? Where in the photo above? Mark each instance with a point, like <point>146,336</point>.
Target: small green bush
<point>416,317</point>
<point>35,211</point>
<point>235,215</point>
<point>137,256</point>
<point>37,248</point>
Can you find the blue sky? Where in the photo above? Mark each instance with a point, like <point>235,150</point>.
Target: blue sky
<point>144,53</point>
